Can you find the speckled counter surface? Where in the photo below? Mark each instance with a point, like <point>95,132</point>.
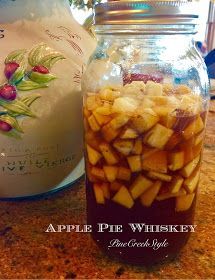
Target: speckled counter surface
<point>26,251</point>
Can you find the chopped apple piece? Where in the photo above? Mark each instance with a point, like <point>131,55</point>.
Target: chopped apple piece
<point>176,160</point>
<point>199,138</point>
<point>157,161</point>
<point>135,163</point>
<point>123,198</point>
<point>93,155</point>
<point>168,195</point>
<point>92,139</point>
<point>158,136</point>
<point>189,168</point>
<point>119,121</point>
<point>144,121</point>
<point>139,186</point>
<point>173,141</point>
<point>138,147</point>
<point>90,177</point>
<point>123,146</point>
<point>99,195</point>
<point>124,173</point>
<point>153,89</point>
<point>147,152</point>
<point>187,147</point>
<point>101,119</point>
<point>149,195</point>
<point>182,89</point>
<point>105,110</point>
<point>110,172</point>
<point>167,120</point>
<point>125,104</point>
<point>109,133</point>
<point>176,184</point>
<point>194,128</point>
<point>191,183</point>
<point>105,189</point>
<point>109,94</point>
<point>108,153</point>
<point>159,176</point>
<point>86,113</point>
<point>93,123</point>
<point>98,173</point>
<point>92,102</point>
<point>184,202</point>
<point>115,186</point>
<point>129,133</point>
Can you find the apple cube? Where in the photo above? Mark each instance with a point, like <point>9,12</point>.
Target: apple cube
<point>168,195</point>
<point>123,146</point>
<point>182,89</point>
<point>184,202</point>
<point>194,128</point>
<point>129,133</point>
<point>135,163</point>
<point>92,102</point>
<point>119,121</point>
<point>105,189</point>
<point>144,121</point>
<point>147,152</point>
<point>108,153</point>
<point>149,195</point>
<point>173,141</point>
<point>110,172</point>
<point>101,119</point>
<point>109,94</point>
<point>139,186</point>
<point>125,105</point>
<point>99,195</point>
<point>86,112</point>
<point>176,160</point>
<point>138,147</point>
<point>98,173</point>
<point>191,183</point>
<point>92,139</point>
<point>199,138</point>
<point>190,167</point>
<point>90,177</point>
<point>123,198</point>
<point>93,123</point>
<point>176,184</point>
<point>157,161</point>
<point>115,186</point>
<point>159,176</point>
<point>109,133</point>
<point>167,120</point>
<point>158,136</point>
<point>105,110</point>
<point>124,173</point>
<point>154,89</point>
<point>93,155</point>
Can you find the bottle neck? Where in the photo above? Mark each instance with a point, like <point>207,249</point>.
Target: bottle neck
<point>11,11</point>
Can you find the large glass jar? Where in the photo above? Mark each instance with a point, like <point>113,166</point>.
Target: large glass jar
<point>145,105</point>
<point>43,54</point>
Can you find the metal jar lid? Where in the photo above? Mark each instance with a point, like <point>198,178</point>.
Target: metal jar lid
<point>146,12</point>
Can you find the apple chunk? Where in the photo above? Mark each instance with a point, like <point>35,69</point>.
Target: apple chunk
<point>99,195</point>
<point>119,121</point>
<point>124,173</point>
<point>176,160</point>
<point>105,189</point>
<point>145,120</point>
<point>98,173</point>
<point>108,153</point>
<point>158,136</point>
<point>190,167</point>
<point>93,123</point>
<point>168,195</point>
<point>176,184</point>
<point>134,163</point>
<point>149,195</point>
<point>109,133</point>
<point>110,172</point>
<point>129,133</point>
<point>93,155</point>
<point>139,186</point>
<point>138,146</point>
<point>191,183</point>
<point>157,161</point>
<point>123,146</point>
<point>123,198</point>
<point>184,202</point>
<point>194,128</point>
<point>101,119</point>
<point>159,176</point>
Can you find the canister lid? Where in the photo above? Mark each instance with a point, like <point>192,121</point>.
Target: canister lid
<point>146,12</point>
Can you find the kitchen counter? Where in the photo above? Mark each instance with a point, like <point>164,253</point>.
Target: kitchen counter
<point>26,251</point>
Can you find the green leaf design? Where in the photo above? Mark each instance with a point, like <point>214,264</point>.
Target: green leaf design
<point>17,76</point>
<point>30,85</point>
<point>17,56</point>
<point>41,78</point>
<point>28,100</point>
<point>50,59</point>
<point>17,108</point>
<point>11,121</point>
<point>36,54</point>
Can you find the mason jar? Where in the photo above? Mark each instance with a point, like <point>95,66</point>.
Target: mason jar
<point>145,101</point>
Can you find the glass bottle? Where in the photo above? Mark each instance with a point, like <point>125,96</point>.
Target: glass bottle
<point>43,53</point>
<point>145,104</point>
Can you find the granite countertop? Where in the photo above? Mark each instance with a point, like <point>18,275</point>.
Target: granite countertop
<point>26,251</point>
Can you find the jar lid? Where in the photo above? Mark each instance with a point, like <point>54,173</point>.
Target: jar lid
<point>146,12</point>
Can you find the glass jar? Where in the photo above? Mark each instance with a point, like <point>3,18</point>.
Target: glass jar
<point>145,104</point>
<point>43,53</point>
